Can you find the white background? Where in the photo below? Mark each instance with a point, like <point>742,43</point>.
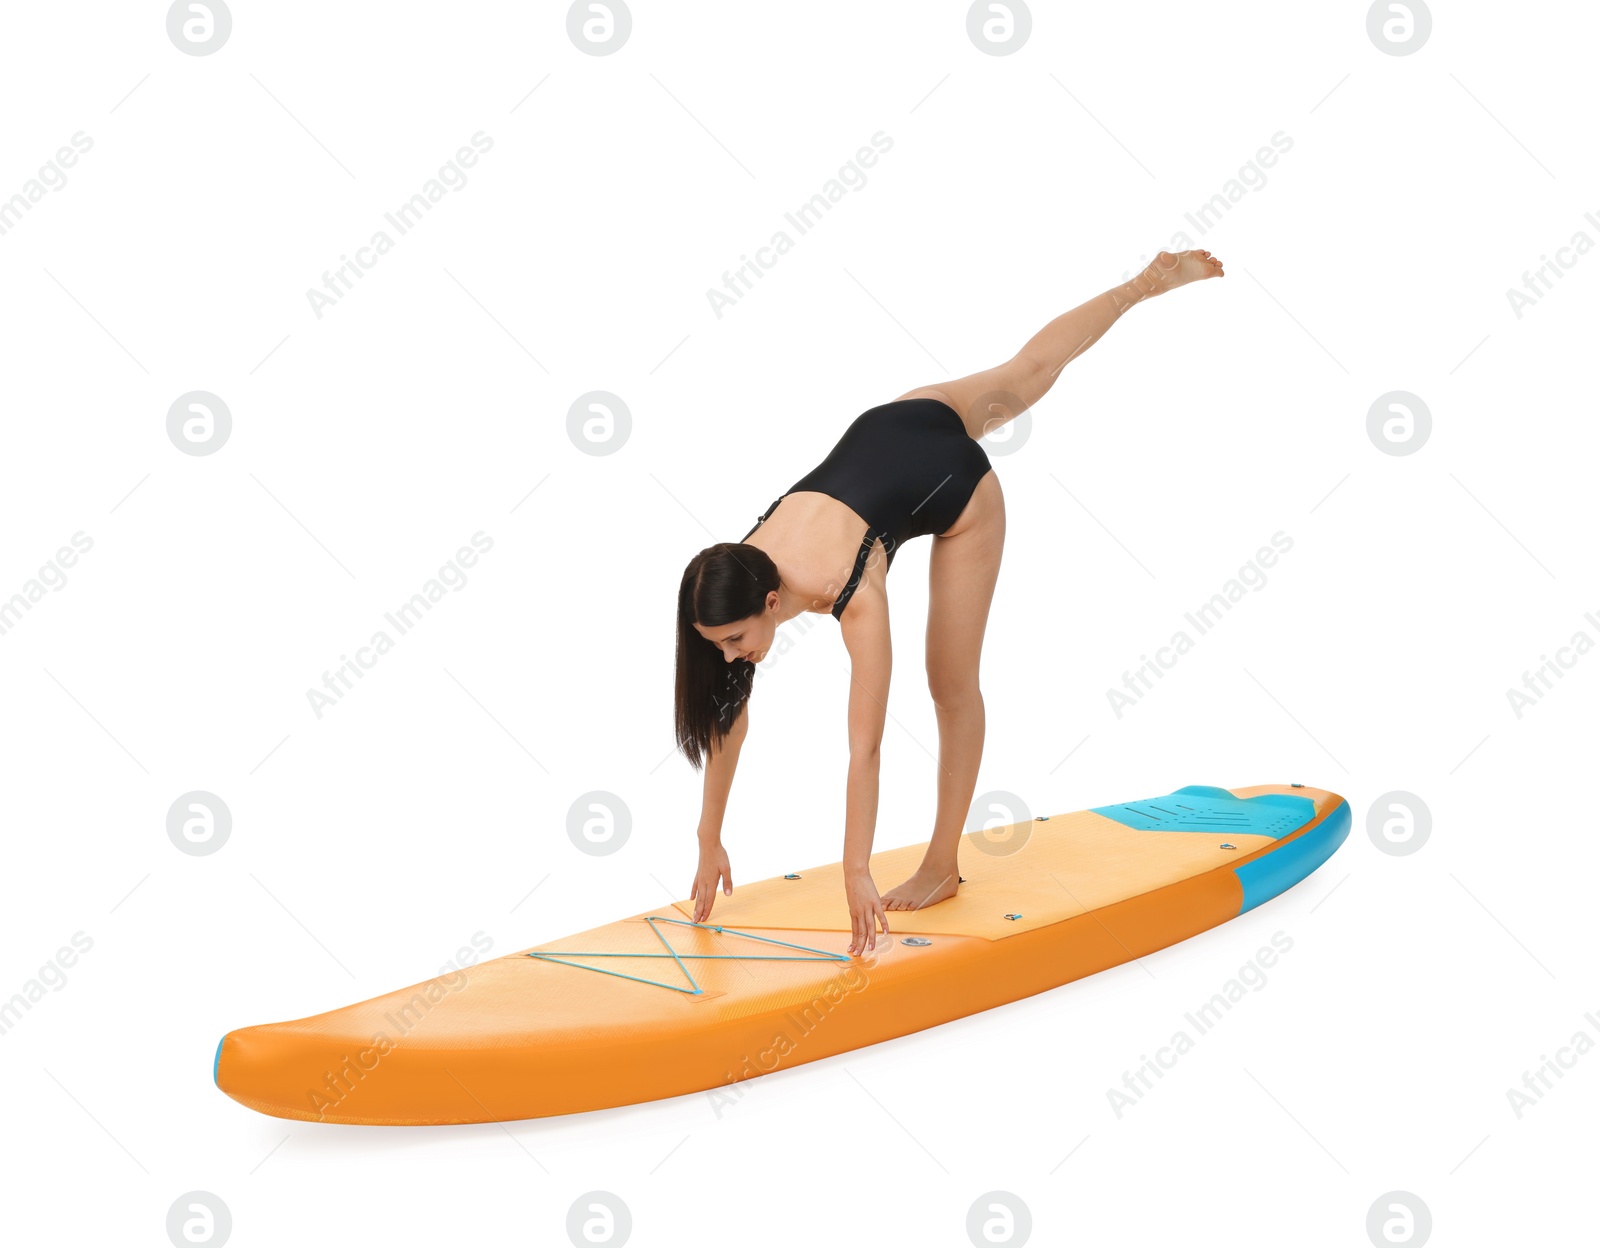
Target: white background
<point>371,843</point>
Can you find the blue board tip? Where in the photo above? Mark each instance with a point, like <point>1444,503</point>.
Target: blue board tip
<point>1271,874</point>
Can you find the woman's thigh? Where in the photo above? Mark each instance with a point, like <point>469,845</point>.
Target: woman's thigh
<point>962,571</point>
<point>984,400</point>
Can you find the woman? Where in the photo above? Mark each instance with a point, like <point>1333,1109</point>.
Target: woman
<point>901,470</point>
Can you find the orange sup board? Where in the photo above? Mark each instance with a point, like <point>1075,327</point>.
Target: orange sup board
<point>656,1005</point>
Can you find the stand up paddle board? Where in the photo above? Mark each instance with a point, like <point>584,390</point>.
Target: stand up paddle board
<point>657,1005</point>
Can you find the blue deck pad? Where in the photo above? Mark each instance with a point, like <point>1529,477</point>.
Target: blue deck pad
<point>1204,808</point>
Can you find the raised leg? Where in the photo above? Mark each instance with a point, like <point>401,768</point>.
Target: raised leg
<point>962,571</point>
<point>987,399</point>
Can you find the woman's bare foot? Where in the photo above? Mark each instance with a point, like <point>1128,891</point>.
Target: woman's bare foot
<point>1169,270</point>
<point>929,885</point>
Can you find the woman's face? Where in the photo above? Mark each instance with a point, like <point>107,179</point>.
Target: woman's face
<point>748,638</point>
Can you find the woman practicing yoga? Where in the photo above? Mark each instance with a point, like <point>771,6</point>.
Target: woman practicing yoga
<point>901,470</point>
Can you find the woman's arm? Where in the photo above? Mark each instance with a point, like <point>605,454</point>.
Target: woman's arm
<point>865,627</point>
<point>722,761</point>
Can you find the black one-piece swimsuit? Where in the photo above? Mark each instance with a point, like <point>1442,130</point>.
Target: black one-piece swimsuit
<point>907,468</point>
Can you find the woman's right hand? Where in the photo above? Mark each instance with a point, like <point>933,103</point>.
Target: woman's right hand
<point>713,868</point>
<point>866,912</point>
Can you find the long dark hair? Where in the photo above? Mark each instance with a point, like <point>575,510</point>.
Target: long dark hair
<point>723,583</point>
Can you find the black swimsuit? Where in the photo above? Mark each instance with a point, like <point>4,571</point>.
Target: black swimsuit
<point>907,468</point>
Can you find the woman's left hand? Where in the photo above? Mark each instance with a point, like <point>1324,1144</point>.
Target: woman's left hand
<point>866,912</point>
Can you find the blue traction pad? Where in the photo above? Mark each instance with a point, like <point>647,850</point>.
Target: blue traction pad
<point>1204,808</point>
